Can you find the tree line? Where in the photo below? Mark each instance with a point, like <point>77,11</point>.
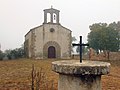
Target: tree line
<point>104,37</point>
<point>13,54</point>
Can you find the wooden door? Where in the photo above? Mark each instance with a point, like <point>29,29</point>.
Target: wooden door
<point>51,52</point>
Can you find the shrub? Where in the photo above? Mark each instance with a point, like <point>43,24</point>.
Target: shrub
<point>1,55</point>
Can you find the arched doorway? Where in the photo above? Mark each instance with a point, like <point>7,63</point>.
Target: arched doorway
<point>57,49</point>
<point>51,52</point>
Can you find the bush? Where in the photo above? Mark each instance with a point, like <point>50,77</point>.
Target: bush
<point>1,55</point>
<point>15,53</point>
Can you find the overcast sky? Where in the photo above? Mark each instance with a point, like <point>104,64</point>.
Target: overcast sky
<point>17,17</point>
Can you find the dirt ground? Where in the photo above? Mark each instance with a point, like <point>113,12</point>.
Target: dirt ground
<point>16,74</point>
<point>112,80</point>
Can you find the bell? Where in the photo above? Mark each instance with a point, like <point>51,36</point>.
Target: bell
<point>54,17</point>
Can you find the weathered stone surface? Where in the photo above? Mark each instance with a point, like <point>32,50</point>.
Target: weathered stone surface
<point>39,39</point>
<point>74,67</point>
<point>76,82</point>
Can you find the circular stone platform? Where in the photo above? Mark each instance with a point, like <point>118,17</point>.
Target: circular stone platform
<point>74,75</point>
<point>84,68</point>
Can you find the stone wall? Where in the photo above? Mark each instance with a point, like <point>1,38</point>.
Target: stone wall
<point>115,56</point>
<point>39,36</point>
<point>77,56</point>
<point>101,56</point>
<point>28,43</point>
<point>112,56</point>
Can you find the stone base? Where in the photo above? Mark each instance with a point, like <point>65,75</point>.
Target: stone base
<point>74,82</point>
<point>74,75</point>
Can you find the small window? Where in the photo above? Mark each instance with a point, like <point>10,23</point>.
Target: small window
<point>52,30</point>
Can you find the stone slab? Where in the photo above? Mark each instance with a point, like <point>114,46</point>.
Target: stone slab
<point>72,67</point>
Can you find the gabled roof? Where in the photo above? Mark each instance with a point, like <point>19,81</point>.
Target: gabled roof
<point>47,23</point>
<point>51,9</point>
<point>33,29</point>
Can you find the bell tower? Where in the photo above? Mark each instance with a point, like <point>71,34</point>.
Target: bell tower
<point>52,15</point>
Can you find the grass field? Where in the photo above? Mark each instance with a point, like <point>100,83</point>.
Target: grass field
<point>16,74</point>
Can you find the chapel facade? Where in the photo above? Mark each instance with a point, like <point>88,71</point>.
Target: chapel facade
<point>49,40</point>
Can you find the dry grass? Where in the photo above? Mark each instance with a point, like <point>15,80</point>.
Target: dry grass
<point>16,74</point>
<point>112,81</point>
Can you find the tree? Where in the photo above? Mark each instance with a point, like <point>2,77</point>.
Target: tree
<point>95,36</point>
<point>15,53</point>
<point>103,37</point>
<point>84,49</point>
<point>116,26</point>
<point>73,40</point>
<point>8,53</point>
<point>1,55</point>
<point>18,53</point>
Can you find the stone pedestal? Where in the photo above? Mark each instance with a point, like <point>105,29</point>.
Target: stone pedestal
<point>74,75</point>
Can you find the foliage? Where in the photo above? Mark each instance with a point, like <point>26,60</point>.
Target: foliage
<point>8,53</point>
<point>84,49</point>
<point>73,40</point>
<point>104,37</point>
<point>39,80</point>
<point>1,55</point>
<point>116,26</point>
<point>15,53</point>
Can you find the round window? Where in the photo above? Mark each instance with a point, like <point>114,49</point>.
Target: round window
<point>52,30</point>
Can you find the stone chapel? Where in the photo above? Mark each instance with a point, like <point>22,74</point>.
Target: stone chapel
<point>49,40</point>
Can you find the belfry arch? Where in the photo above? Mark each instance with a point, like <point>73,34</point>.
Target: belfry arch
<point>54,45</point>
<point>53,15</point>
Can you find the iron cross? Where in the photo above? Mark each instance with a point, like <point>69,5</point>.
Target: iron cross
<point>80,47</point>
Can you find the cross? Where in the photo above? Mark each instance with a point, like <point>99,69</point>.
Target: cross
<point>80,47</point>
